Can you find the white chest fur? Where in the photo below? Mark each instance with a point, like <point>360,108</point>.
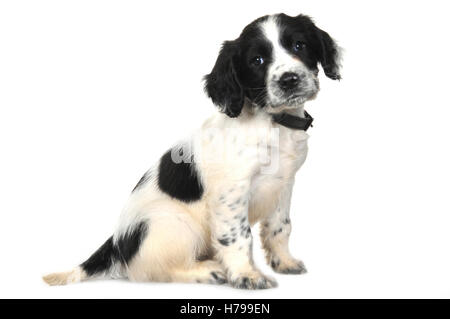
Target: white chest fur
<point>254,149</point>
<point>268,186</point>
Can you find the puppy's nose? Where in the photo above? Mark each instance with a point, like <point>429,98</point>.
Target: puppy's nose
<point>289,80</point>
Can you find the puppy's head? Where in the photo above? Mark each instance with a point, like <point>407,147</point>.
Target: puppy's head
<point>273,65</point>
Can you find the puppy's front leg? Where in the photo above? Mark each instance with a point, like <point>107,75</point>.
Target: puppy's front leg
<point>275,231</point>
<point>232,238</point>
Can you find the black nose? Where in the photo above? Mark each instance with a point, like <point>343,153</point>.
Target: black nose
<point>289,80</point>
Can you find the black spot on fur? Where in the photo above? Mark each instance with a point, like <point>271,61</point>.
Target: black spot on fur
<point>275,263</point>
<point>121,251</point>
<point>179,180</point>
<point>224,241</point>
<point>276,232</point>
<point>246,231</point>
<point>219,279</point>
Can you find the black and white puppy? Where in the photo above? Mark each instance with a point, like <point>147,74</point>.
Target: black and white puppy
<point>189,217</point>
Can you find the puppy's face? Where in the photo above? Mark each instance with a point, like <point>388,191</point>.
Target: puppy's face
<point>273,65</point>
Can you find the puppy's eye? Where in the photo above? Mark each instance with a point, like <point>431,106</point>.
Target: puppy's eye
<point>257,60</point>
<point>299,46</point>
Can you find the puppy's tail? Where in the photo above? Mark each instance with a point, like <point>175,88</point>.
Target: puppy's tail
<point>101,262</point>
<point>64,278</point>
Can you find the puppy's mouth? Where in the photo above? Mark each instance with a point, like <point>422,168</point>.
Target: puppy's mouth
<point>295,99</point>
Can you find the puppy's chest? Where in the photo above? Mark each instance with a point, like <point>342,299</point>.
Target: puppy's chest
<point>293,142</point>
<point>285,153</point>
<point>279,164</point>
<point>273,178</point>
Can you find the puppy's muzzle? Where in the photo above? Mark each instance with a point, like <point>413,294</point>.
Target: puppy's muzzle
<point>290,81</point>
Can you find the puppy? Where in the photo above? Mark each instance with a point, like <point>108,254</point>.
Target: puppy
<point>189,218</point>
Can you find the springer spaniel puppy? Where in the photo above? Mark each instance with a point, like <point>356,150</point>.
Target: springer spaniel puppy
<point>189,218</point>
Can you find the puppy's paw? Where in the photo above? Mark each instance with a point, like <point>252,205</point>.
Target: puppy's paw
<point>252,280</point>
<point>290,266</point>
<point>215,272</point>
<point>218,277</point>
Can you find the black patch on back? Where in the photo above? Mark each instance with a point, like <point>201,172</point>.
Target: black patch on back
<point>122,251</point>
<point>179,180</point>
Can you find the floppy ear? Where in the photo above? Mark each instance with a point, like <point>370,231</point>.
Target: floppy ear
<point>222,84</point>
<point>329,55</point>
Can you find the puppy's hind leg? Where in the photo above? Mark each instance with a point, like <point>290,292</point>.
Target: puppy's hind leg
<point>169,253</point>
<point>208,271</point>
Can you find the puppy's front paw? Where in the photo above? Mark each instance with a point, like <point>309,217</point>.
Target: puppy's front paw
<point>252,280</point>
<point>218,277</point>
<point>291,266</point>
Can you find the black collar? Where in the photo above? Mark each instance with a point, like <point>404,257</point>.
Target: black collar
<point>293,121</point>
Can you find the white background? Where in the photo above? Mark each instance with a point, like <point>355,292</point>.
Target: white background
<point>92,92</point>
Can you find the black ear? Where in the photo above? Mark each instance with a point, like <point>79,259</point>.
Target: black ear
<point>222,84</point>
<point>329,55</point>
